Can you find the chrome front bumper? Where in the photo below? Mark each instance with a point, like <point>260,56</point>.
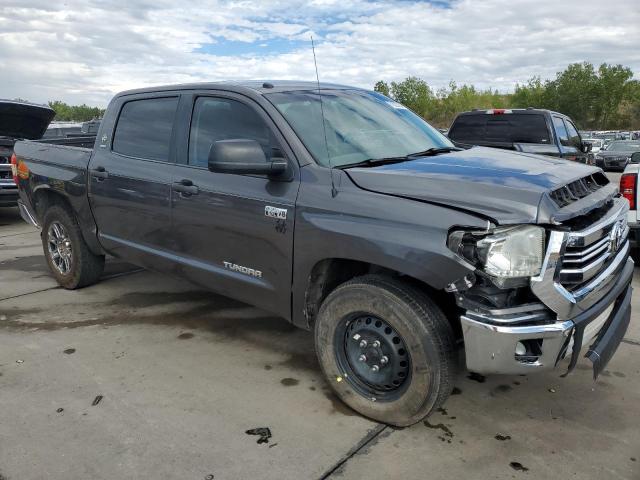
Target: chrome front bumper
<point>573,317</point>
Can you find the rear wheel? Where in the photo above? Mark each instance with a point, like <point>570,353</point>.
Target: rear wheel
<point>69,258</point>
<point>386,349</point>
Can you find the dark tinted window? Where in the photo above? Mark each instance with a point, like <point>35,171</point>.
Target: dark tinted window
<point>504,128</point>
<point>561,131</point>
<point>144,128</point>
<point>224,119</point>
<point>574,136</point>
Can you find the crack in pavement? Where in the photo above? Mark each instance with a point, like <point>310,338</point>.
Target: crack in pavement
<point>366,440</point>
<point>630,342</point>
<point>16,234</point>
<point>57,287</point>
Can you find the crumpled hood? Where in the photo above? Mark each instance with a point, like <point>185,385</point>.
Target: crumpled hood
<point>24,120</point>
<point>504,186</point>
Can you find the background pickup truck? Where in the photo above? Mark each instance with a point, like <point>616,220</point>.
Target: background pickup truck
<point>525,130</point>
<point>343,212</point>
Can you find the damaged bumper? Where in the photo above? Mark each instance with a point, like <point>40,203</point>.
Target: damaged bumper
<point>584,290</point>
<point>491,341</point>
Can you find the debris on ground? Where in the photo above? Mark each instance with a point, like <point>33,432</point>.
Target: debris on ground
<point>96,400</point>
<point>263,432</point>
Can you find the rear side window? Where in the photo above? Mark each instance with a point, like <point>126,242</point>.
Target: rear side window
<point>505,128</point>
<point>144,128</point>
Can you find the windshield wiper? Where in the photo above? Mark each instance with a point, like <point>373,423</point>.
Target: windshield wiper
<point>433,151</point>
<point>370,162</point>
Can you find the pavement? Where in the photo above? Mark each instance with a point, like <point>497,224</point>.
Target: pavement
<point>145,376</point>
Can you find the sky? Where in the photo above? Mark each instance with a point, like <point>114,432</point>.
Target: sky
<point>85,51</point>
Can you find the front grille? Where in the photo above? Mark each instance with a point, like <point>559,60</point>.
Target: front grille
<point>574,191</point>
<point>589,252</point>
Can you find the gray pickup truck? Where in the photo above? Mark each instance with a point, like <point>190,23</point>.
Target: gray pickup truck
<point>345,213</point>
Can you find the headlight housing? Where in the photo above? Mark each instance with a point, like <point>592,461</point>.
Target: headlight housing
<point>505,253</point>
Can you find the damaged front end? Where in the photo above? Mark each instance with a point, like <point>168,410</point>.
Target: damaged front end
<point>540,294</point>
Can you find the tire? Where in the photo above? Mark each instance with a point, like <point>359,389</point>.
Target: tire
<point>404,312</point>
<point>62,239</point>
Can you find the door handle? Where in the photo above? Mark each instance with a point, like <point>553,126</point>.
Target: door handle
<point>185,187</point>
<point>100,173</point>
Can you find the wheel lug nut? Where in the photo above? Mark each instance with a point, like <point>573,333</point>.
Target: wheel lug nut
<point>363,343</point>
<point>375,368</point>
<point>362,358</point>
<point>376,344</point>
<point>384,360</point>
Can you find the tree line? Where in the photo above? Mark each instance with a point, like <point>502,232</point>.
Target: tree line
<point>603,98</point>
<point>74,113</point>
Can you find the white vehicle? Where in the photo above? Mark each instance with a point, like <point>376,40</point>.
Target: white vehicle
<point>597,144</point>
<point>629,190</point>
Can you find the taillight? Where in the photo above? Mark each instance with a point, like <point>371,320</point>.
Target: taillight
<point>14,168</point>
<point>628,188</point>
<point>498,111</point>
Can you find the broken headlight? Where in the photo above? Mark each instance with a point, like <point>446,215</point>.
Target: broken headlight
<point>504,253</point>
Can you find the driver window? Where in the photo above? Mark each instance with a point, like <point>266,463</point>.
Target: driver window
<point>224,119</point>
<point>574,136</point>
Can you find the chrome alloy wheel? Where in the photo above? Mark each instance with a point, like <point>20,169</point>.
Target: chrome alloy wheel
<point>60,249</point>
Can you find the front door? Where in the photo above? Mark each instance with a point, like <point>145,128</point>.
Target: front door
<point>234,233</point>
<point>130,181</point>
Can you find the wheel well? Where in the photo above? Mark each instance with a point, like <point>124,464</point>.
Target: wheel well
<point>328,274</point>
<point>44,199</point>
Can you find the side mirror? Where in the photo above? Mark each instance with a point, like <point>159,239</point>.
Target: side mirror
<point>635,157</point>
<point>242,156</point>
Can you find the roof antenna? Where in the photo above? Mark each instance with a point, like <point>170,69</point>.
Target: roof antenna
<point>334,192</point>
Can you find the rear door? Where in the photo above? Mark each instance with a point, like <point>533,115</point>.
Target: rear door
<point>234,233</point>
<point>130,179</point>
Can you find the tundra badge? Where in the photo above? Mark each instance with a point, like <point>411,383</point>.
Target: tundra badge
<point>275,212</point>
<point>239,268</point>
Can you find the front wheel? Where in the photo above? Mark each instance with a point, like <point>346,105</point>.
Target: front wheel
<point>69,258</point>
<point>386,349</point>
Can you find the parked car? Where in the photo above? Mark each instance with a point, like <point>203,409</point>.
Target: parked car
<point>617,155</point>
<point>596,144</point>
<point>63,129</point>
<point>17,120</point>
<point>345,213</point>
<point>524,130</point>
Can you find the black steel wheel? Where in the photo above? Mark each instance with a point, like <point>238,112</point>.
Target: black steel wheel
<point>374,355</point>
<point>385,348</point>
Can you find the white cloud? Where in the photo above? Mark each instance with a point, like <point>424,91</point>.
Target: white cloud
<point>85,51</point>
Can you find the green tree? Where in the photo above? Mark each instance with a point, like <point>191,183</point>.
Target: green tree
<point>75,113</point>
<point>413,93</point>
<point>382,87</point>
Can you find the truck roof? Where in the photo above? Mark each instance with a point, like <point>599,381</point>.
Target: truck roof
<point>530,110</point>
<point>254,86</point>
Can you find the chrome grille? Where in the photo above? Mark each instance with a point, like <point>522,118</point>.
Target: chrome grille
<point>589,251</point>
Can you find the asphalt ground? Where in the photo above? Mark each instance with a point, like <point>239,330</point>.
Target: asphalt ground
<point>145,376</point>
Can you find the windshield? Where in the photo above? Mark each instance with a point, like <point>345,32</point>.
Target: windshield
<point>359,125</point>
<point>623,147</point>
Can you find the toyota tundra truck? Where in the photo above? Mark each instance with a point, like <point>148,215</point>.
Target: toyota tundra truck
<point>348,215</point>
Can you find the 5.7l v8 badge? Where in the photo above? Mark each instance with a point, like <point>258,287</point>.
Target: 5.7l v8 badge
<point>275,212</point>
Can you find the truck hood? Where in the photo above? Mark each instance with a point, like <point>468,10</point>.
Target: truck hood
<point>502,186</point>
<point>24,120</point>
